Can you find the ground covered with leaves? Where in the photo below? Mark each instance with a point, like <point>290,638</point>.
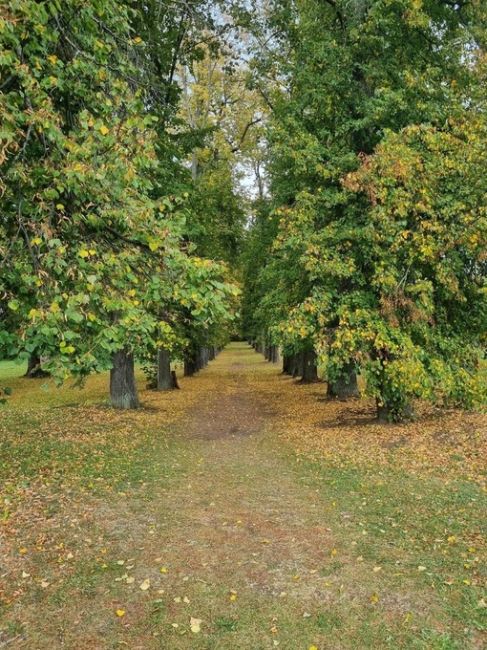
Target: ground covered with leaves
<point>243,511</point>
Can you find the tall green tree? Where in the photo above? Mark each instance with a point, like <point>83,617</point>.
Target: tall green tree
<point>340,76</point>
<point>94,258</point>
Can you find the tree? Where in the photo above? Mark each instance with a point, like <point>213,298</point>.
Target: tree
<point>339,76</point>
<point>96,255</point>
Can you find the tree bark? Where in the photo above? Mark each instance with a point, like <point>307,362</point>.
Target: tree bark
<point>212,353</point>
<point>190,365</point>
<point>310,370</point>
<point>123,391</point>
<point>34,367</point>
<point>164,376</point>
<point>386,413</point>
<point>346,386</point>
<point>287,364</point>
<point>274,354</point>
<point>298,366</point>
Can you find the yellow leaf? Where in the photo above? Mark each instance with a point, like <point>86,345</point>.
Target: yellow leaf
<point>59,206</point>
<point>452,539</point>
<point>83,253</point>
<point>52,58</point>
<point>374,598</point>
<point>195,625</point>
<point>120,612</point>
<point>144,585</point>
<point>163,569</point>
<point>104,129</point>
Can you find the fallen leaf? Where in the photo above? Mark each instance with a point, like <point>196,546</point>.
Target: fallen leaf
<point>195,625</point>
<point>145,585</point>
<point>120,612</point>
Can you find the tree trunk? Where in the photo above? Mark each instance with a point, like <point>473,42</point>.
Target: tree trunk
<point>387,412</point>
<point>202,358</point>
<point>310,370</point>
<point>298,367</point>
<point>274,354</point>
<point>190,365</point>
<point>346,386</point>
<point>212,353</point>
<point>164,376</point>
<point>123,392</point>
<point>287,363</point>
<point>34,367</point>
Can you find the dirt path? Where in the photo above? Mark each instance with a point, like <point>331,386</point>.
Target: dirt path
<point>244,511</point>
<point>247,539</point>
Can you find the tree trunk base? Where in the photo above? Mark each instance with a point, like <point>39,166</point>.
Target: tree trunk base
<point>387,415</point>
<point>34,368</point>
<point>346,387</point>
<point>123,391</point>
<point>164,376</point>
<point>309,369</point>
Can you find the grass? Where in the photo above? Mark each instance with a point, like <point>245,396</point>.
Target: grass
<point>284,534</point>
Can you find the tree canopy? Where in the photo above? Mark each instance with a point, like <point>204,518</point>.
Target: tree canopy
<point>326,157</point>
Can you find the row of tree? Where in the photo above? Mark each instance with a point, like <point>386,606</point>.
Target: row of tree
<point>104,243</point>
<point>371,240</point>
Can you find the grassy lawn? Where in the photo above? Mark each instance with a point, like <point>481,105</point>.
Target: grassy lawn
<point>239,512</point>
